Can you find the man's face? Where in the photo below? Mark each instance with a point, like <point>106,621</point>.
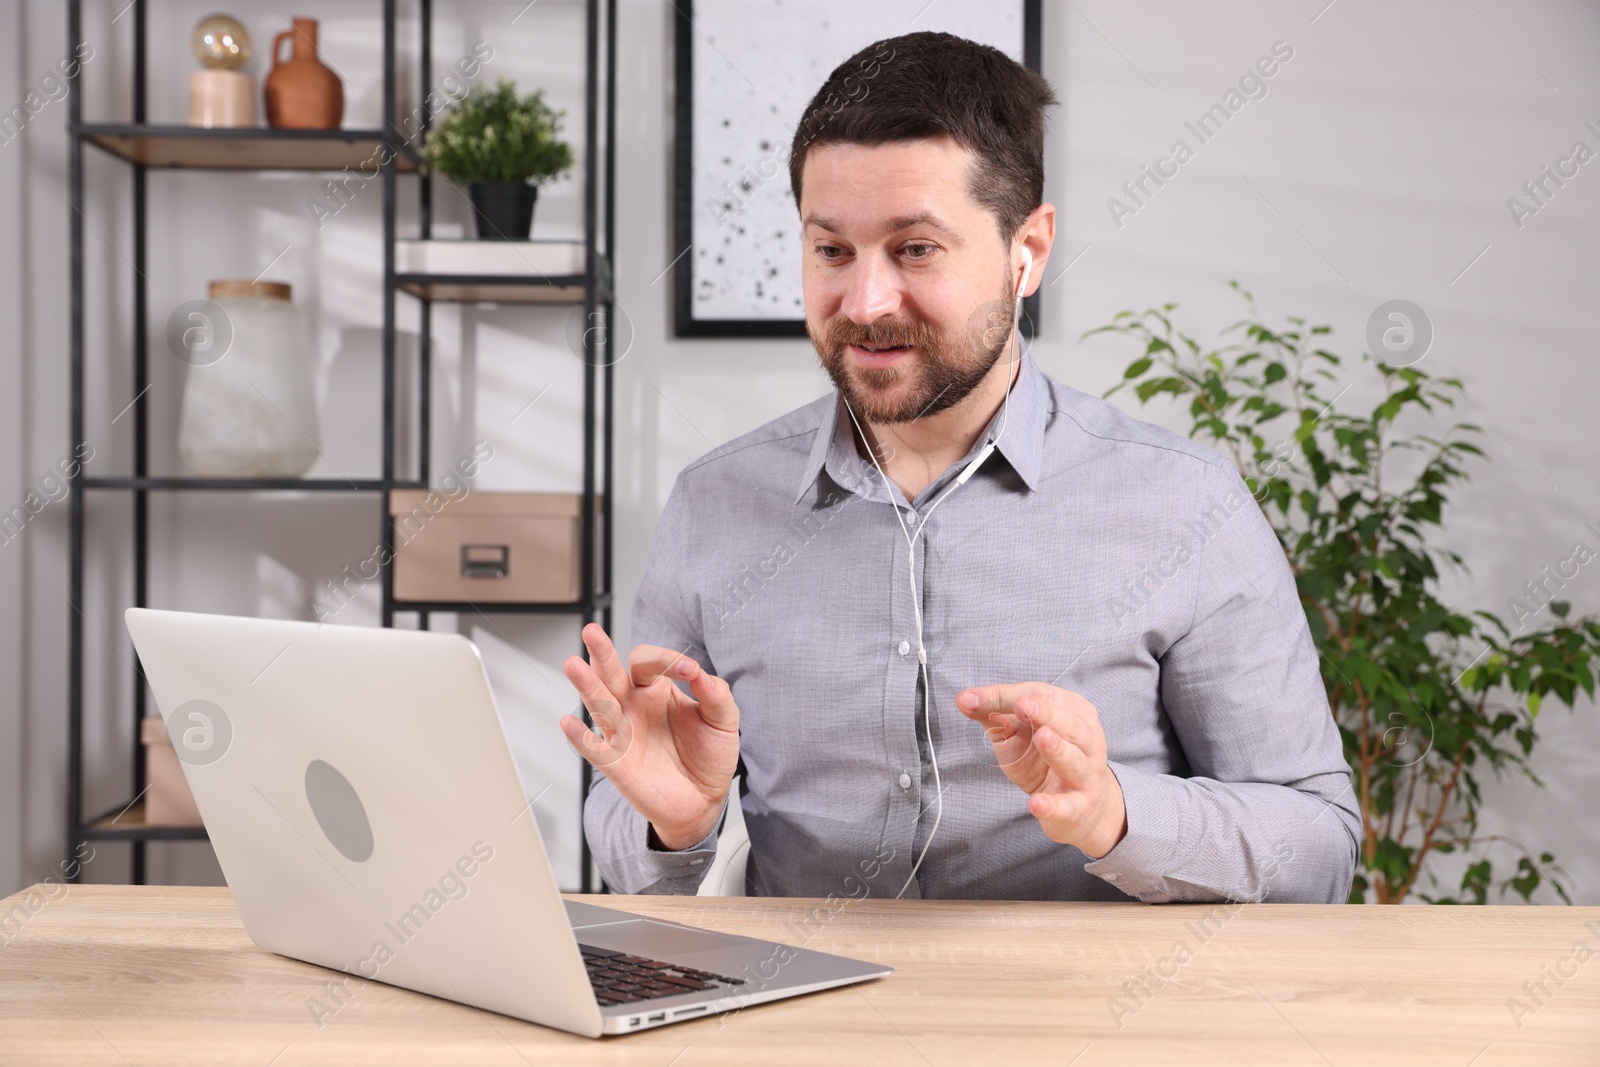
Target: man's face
<point>908,286</point>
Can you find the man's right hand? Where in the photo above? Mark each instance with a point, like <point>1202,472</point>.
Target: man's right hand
<point>670,757</point>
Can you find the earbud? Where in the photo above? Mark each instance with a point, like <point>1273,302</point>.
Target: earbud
<point>1027,269</point>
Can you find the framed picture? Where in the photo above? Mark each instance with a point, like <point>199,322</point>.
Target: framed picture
<point>745,71</point>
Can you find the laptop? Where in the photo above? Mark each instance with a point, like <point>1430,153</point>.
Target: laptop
<point>365,809</point>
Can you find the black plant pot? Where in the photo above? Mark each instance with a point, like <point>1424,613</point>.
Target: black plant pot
<point>504,209</point>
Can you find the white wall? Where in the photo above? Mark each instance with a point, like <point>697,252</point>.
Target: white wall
<point>1377,166</point>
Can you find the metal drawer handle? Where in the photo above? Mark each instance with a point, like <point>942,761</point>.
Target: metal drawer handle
<point>485,561</point>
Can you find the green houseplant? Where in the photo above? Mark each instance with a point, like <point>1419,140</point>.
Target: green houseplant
<point>1427,697</point>
<point>501,146</point>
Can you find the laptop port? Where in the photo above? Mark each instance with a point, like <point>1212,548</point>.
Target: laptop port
<point>633,1021</point>
<point>658,1017</point>
<point>680,1013</point>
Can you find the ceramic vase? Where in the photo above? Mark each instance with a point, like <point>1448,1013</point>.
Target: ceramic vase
<point>301,93</point>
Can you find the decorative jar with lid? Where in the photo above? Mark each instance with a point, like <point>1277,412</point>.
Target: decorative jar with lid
<point>249,408</point>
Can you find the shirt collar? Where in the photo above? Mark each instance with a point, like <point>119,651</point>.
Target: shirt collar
<point>1022,444</point>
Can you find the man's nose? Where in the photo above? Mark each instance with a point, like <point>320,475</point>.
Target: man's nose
<point>874,290</point>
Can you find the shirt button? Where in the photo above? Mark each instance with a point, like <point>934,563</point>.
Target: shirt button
<point>905,780</point>
<point>905,647</point>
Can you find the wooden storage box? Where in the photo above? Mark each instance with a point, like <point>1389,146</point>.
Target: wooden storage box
<point>168,801</point>
<point>488,547</point>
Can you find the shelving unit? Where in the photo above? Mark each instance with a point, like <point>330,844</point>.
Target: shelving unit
<point>146,147</point>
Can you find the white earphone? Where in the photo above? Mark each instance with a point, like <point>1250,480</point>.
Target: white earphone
<point>911,553</point>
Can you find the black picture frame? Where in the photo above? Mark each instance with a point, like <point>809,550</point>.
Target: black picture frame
<point>685,324</point>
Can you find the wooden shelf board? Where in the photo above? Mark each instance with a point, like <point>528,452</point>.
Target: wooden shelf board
<point>131,824</point>
<point>489,607</point>
<point>179,483</point>
<point>244,149</point>
<point>511,291</point>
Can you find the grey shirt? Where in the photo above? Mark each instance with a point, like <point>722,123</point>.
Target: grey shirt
<point>1092,551</point>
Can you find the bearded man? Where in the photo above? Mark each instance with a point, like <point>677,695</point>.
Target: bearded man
<point>961,630</point>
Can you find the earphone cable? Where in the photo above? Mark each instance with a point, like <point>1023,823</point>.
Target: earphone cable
<point>911,563</point>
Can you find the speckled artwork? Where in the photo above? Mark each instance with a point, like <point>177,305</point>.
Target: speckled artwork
<point>756,64</point>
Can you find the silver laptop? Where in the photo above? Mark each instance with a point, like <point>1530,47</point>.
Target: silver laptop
<point>363,803</point>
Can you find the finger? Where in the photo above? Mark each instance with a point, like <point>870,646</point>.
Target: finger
<point>992,699</point>
<point>1002,728</point>
<point>1065,721</point>
<point>602,703</point>
<point>1055,707</point>
<point>1066,819</point>
<point>603,658</point>
<point>600,751</point>
<point>1074,718</point>
<point>1063,811</point>
<point>1071,764</point>
<point>987,714</point>
<point>971,705</point>
<point>1014,753</point>
<point>580,736</point>
<point>715,695</point>
<point>648,662</point>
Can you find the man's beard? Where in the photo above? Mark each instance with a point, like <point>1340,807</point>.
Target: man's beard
<point>951,367</point>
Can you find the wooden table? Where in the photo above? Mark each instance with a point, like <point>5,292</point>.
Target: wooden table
<point>166,975</point>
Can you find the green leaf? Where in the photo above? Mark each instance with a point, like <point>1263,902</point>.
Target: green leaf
<point>1137,367</point>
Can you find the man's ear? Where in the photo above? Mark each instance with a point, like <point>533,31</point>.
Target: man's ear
<point>1036,234</point>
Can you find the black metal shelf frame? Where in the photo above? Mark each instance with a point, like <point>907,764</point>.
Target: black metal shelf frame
<point>144,147</point>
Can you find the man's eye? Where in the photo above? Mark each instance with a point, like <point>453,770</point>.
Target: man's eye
<point>829,251</point>
<point>918,251</point>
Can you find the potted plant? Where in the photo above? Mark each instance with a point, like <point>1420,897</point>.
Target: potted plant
<point>1427,696</point>
<point>501,146</point>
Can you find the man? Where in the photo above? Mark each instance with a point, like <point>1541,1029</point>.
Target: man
<point>1120,697</point>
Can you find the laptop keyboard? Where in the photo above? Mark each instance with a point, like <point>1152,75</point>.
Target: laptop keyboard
<point>619,978</point>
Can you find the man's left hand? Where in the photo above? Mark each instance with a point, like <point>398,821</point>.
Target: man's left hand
<point>1050,743</point>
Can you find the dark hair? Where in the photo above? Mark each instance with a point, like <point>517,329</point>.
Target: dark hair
<point>937,84</point>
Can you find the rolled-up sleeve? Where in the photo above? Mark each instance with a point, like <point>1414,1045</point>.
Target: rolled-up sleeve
<point>1266,811</point>
<point>619,837</point>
